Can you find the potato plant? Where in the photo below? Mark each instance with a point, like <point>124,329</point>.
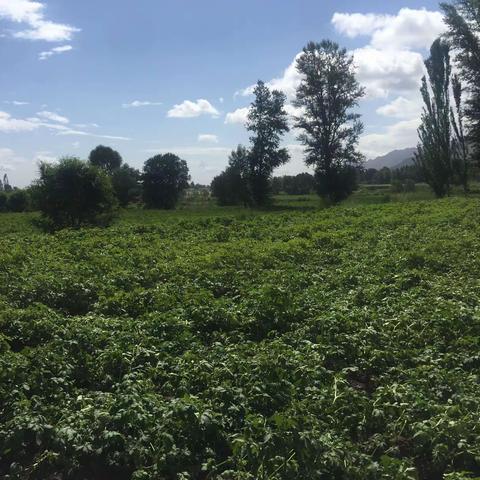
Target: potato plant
<point>333,344</point>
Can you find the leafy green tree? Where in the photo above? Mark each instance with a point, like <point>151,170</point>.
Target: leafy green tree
<point>463,20</point>
<point>74,193</point>
<point>164,177</point>
<point>231,186</point>
<point>268,121</point>
<point>326,96</point>
<point>18,201</point>
<point>461,158</point>
<point>435,152</point>
<point>105,158</point>
<point>125,182</point>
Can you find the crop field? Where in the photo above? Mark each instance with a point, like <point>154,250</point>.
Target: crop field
<point>292,343</point>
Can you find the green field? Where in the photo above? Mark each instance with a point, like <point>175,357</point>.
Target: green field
<point>298,342</point>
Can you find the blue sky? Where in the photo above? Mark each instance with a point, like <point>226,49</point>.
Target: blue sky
<point>149,76</point>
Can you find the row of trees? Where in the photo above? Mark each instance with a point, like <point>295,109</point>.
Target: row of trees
<point>73,192</point>
<point>449,135</point>
<point>329,130</point>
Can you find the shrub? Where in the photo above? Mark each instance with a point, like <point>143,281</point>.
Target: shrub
<point>74,193</point>
<point>125,184</point>
<point>3,201</point>
<point>17,201</point>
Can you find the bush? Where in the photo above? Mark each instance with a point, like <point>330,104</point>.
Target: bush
<point>165,177</point>
<point>338,184</point>
<point>74,193</point>
<point>18,201</point>
<point>125,184</point>
<point>3,201</point>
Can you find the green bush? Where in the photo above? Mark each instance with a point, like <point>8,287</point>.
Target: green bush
<point>73,193</point>
<point>18,201</point>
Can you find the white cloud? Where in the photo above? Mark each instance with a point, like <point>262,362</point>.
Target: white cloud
<point>88,134</point>
<point>192,151</point>
<point>9,124</point>
<point>140,103</point>
<point>355,24</point>
<point>54,117</point>
<point>383,72</point>
<point>207,138</point>
<point>402,134</point>
<point>47,157</point>
<point>391,63</point>
<point>16,102</point>
<point>287,83</point>
<point>408,29</point>
<point>238,116</point>
<point>402,107</point>
<point>32,14</point>
<point>189,109</point>
<point>8,159</point>
<point>86,125</point>
<point>54,51</point>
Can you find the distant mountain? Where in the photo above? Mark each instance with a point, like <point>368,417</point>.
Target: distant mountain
<point>394,159</point>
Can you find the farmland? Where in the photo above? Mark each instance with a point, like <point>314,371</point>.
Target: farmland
<point>292,343</point>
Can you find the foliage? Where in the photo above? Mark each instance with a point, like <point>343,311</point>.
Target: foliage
<point>105,158</point>
<point>3,201</point>
<point>73,193</point>
<point>17,201</point>
<point>300,184</point>
<point>435,153</point>
<point>463,20</point>
<point>164,177</point>
<point>325,96</point>
<point>125,182</point>
<point>231,186</point>
<point>340,343</point>
<point>267,120</point>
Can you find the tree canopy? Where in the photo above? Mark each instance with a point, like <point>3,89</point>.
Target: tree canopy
<point>165,177</point>
<point>330,130</point>
<point>105,158</point>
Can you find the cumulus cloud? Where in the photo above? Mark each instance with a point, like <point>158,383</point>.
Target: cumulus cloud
<point>140,103</point>
<point>237,116</point>
<point>355,24</point>
<point>54,117</point>
<point>392,62</point>
<point>382,72</point>
<point>207,138</point>
<point>54,51</point>
<point>402,134</point>
<point>402,107</point>
<point>189,109</point>
<point>408,29</point>
<point>32,13</point>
